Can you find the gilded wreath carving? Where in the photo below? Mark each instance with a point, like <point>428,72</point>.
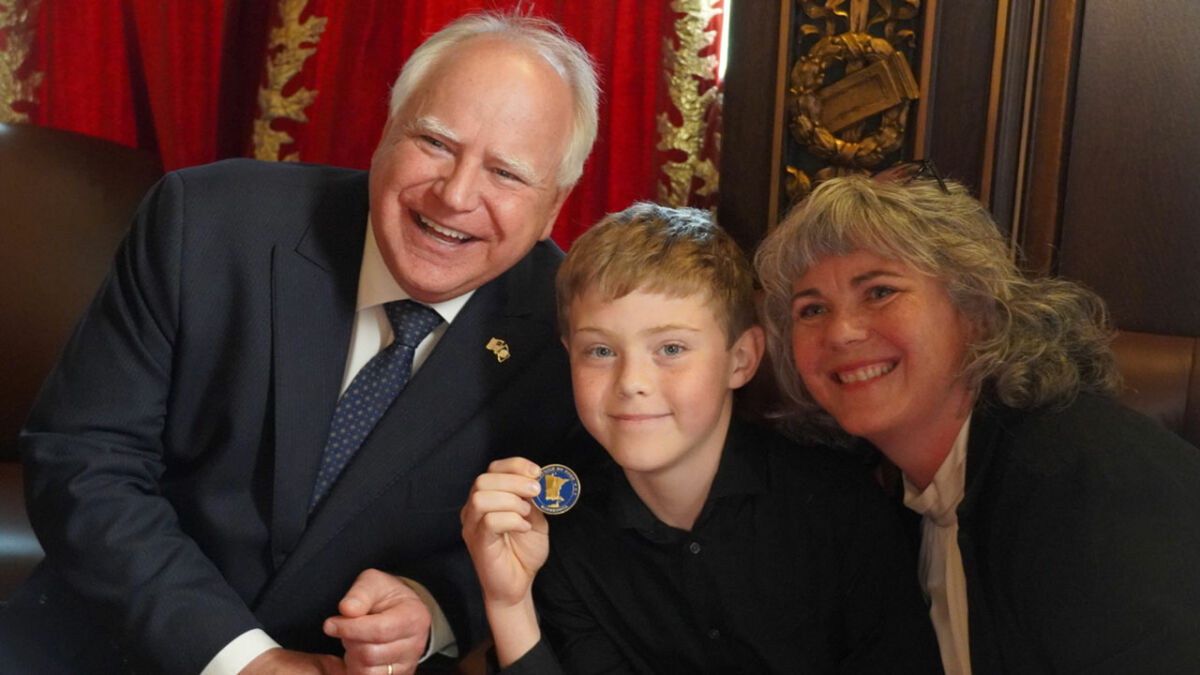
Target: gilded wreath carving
<point>808,78</point>
<point>854,122</point>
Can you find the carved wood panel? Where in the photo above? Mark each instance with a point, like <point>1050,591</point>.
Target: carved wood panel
<point>1073,121</point>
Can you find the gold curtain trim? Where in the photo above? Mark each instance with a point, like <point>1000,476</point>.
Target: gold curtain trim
<point>288,48</point>
<point>16,37</point>
<point>687,73</point>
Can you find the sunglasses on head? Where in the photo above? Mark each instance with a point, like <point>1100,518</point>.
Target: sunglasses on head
<point>906,172</point>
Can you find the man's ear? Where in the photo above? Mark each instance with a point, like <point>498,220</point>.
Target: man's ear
<point>745,355</point>
<point>563,193</point>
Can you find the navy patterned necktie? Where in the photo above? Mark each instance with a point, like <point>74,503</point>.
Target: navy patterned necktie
<point>372,390</point>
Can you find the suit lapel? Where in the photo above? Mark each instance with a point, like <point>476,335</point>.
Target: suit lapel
<point>315,284</point>
<point>452,386</point>
<point>983,441</point>
<point>986,439</point>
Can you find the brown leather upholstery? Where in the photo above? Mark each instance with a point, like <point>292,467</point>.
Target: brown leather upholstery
<point>65,200</point>
<point>1162,379</point>
<point>19,549</point>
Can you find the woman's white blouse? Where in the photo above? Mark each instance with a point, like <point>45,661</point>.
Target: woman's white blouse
<point>941,568</point>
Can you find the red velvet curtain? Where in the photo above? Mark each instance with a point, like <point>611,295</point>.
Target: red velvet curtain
<point>183,78</point>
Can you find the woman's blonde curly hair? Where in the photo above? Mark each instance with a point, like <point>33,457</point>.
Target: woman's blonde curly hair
<point>1039,341</point>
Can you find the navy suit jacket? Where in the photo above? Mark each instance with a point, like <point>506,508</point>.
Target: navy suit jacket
<point>173,450</point>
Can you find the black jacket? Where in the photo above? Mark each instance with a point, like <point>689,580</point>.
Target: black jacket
<point>1080,539</point>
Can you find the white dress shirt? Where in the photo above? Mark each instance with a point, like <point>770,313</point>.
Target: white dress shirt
<point>372,332</point>
<point>941,568</point>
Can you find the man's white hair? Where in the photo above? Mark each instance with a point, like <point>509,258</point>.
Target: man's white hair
<point>570,60</point>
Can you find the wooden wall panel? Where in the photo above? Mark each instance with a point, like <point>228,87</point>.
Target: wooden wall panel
<point>1074,120</point>
<point>1056,40</point>
<point>957,100</point>
<point>752,119</point>
<point>1131,210</point>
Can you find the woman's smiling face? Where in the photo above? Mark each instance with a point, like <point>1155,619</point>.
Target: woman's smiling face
<point>880,347</point>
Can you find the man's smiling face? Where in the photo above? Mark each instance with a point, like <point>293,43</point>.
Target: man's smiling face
<point>465,179</point>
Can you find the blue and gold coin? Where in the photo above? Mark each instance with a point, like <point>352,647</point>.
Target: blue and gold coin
<point>560,490</point>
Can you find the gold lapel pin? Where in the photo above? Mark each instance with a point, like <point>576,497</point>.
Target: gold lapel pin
<point>499,348</point>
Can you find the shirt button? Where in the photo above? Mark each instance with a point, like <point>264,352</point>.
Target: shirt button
<point>694,547</point>
<point>713,634</point>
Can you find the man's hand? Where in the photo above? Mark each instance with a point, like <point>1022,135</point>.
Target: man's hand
<point>383,623</point>
<point>287,662</point>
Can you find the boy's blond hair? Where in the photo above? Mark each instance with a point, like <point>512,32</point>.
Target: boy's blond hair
<point>659,249</point>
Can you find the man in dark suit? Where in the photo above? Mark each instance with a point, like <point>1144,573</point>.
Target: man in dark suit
<point>174,452</point>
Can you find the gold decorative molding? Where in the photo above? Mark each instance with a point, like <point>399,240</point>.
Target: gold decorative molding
<point>691,85</point>
<point>853,122</point>
<point>289,47</point>
<point>16,38</point>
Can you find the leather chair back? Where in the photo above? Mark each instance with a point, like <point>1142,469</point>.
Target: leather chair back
<point>65,201</point>
<point>1162,379</point>
<point>19,548</point>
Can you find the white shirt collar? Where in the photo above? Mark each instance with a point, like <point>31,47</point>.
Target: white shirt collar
<point>377,286</point>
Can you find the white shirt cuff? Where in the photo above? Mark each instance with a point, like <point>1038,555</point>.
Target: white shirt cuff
<point>240,652</point>
<point>250,645</point>
<point>441,636</point>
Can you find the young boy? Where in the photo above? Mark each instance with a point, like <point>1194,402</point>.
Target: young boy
<point>704,544</point>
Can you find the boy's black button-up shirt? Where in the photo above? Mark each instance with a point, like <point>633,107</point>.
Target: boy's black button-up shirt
<point>796,564</point>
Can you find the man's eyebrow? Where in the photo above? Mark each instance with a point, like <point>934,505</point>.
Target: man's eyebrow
<point>427,124</point>
<point>517,167</point>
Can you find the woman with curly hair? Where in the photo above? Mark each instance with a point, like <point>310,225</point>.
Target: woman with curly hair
<point>1060,531</point>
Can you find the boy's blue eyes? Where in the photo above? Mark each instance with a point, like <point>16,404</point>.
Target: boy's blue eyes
<point>602,352</point>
